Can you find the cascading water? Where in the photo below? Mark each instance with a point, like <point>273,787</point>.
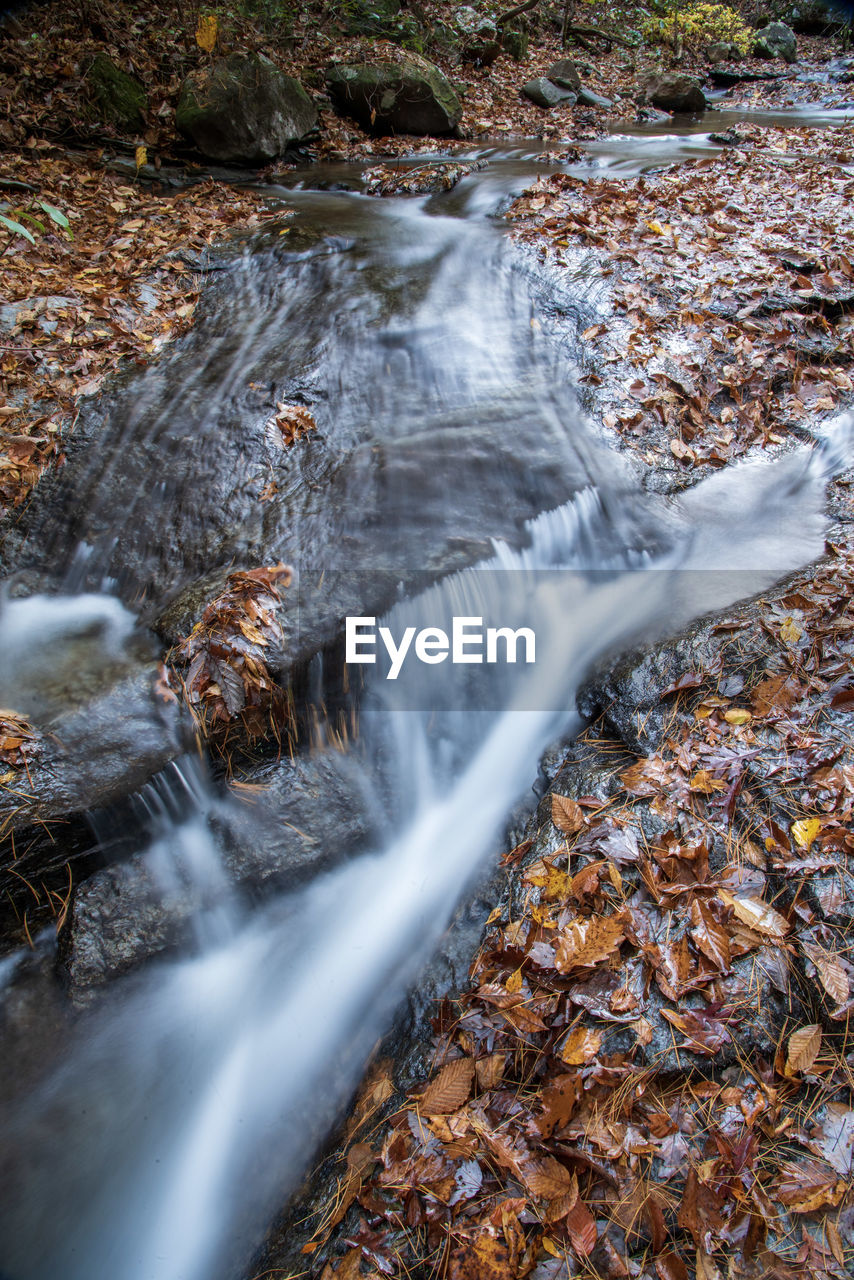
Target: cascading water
<point>188,1099</point>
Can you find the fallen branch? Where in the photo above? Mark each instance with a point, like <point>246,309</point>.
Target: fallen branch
<point>595,33</point>
<point>515,12</point>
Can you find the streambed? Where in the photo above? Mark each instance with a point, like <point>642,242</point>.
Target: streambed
<point>449,436</point>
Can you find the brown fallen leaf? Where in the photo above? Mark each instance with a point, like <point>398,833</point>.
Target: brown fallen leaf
<point>450,1088</point>
<point>567,814</point>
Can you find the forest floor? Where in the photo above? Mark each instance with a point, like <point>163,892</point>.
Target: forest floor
<point>651,1073</point>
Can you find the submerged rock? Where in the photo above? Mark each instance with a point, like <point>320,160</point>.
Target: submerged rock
<point>776,41</point>
<point>244,110</point>
<point>408,95</point>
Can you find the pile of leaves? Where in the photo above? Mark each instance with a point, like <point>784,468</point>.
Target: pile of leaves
<point>221,665</point>
<point>651,1075</point>
<point>18,739</point>
<point>419,180</point>
<point>120,285</point>
<point>730,320</point>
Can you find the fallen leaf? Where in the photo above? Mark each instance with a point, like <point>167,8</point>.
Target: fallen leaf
<point>567,814</point>
<point>805,831</point>
<point>802,1049</point>
<point>450,1089</point>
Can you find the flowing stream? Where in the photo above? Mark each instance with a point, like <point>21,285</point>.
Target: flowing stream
<point>452,463</point>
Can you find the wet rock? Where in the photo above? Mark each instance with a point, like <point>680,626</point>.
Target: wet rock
<point>305,816</point>
<point>678,94</point>
<point>777,40</point>
<point>409,95</point>
<point>544,93</point>
<point>564,74</point>
<point>97,748</point>
<point>725,78</point>
<point>629,693</point>
<point>587,98</point>
<point>119,99</point>
<point>243,110</point>
<point>427,179</point>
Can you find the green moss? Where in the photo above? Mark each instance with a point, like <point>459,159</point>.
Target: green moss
<point>118,97</point>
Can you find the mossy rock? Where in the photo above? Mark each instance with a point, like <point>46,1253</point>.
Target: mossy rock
<point>515,44</point>
<point>407,95</point>
<point>244,110</point>
<point>119,99</point>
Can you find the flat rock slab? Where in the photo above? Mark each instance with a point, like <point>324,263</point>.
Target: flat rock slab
<point>544,93</point>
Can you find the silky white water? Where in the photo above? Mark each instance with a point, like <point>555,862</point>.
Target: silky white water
<point>190,1102</point>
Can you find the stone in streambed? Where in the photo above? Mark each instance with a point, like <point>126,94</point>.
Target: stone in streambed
<point>776,41</point>
<point>404,95</point>
<point>243,110</point>
<point>678,94</point>
<point>545,94</point>
<point>309,814</point>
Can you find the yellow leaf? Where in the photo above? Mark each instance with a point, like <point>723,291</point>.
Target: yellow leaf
<point>140,157</point>
<point>790,631</point>
<point>803,1049</point>
<point>552,1248</point>
<point>514,982</point>
<point>737,715</point>
<point>657,229</point>
<point>704,782</point>
<point>580,1046</point>
<point>805,831</point>
<point>206,32</point>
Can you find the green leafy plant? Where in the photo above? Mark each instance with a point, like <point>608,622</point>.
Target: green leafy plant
<point>25,214</point>
<point>698,25</point>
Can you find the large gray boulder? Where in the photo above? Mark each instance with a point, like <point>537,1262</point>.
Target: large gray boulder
<point>244,110</point>
<point>404,95</point>
<point>776,41</point>
<point>678,94</point>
